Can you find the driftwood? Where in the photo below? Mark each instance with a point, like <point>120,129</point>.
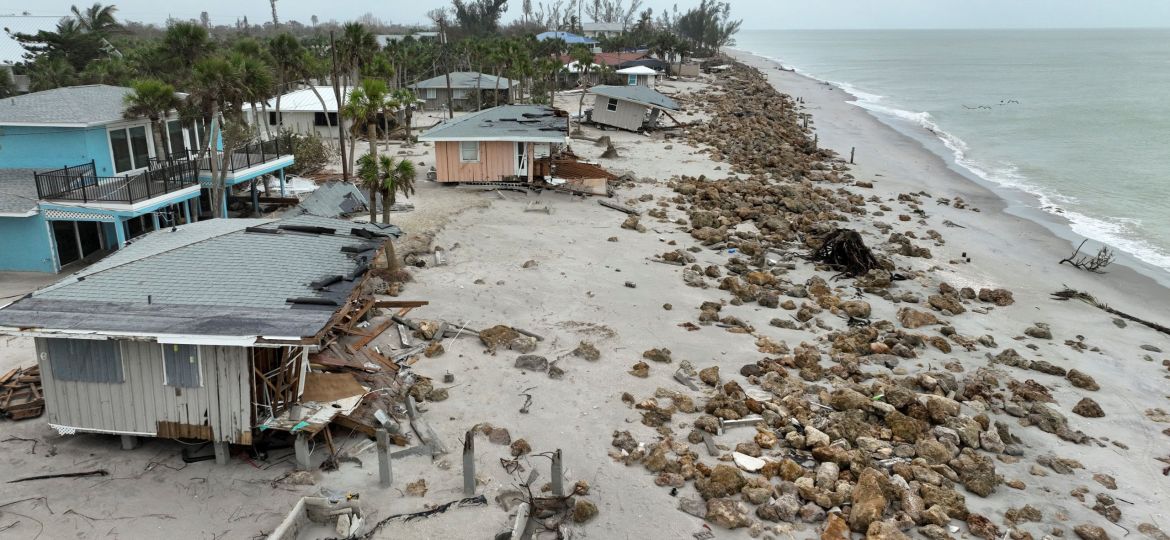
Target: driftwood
<point>99,472</point>
<point>1093,264</point>
<point>478,500</point>
<point>844,250</point>
<point>1072,294</point>
<point>619,207</point>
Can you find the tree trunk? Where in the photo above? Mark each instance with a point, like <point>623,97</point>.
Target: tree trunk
<point>372,131</point>
<point>337,97</point>
<point>214,164</point>
<point>264,110</point>
<point>496,95</point>
<point>160,147</point>
<point>387,202</point>
<point>510,99</point>
<point>450,97</point>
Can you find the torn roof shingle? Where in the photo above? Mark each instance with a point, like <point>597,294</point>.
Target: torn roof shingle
<point>332,200</point>
<point>174,280</point>
<point>637,94</point>
<point>520,123</point>
<point>18,192</point>
<point>72,106</point>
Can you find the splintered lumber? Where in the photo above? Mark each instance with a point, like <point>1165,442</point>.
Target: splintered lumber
<point>619,207</point>
<point>373,334</point>
<point>21,396</point>
<point>400,303</point>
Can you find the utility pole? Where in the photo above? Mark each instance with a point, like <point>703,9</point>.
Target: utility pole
<point>275,21</point>
<point>337,96</point>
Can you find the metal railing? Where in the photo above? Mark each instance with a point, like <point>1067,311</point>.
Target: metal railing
<point>81,183</point>
<point>248,156</point>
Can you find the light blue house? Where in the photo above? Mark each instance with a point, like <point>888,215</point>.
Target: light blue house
<point>568,37</point>
<point>78,179</point>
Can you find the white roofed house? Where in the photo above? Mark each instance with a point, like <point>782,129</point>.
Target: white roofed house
<point>602,29</point>
<point>301,111</point>
<point>632,108</point>
<point>639,76</point>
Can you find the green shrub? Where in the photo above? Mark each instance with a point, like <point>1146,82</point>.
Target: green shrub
<point>310,152</point>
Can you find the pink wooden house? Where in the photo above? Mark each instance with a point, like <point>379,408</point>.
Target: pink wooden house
<point>508,143</point>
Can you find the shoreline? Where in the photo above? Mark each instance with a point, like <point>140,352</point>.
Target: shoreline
<point>1048,237</point>
<point>1017,201</point>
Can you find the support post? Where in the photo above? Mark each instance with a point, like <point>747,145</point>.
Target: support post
<point>411,411</point>
<point>221,452</point>
<point>302,451</point>
<point>281,178</point>
<point>186,211</point>
<point>469,463</point>
<point>154,219</point>
<point>385,471</point>
<point>521,523</point>
<point>120,231</point>
<point>558,475</point>
<point>852,149</point>
<point>129,442</point>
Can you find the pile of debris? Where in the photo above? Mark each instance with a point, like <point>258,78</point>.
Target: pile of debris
<point>21,396</point>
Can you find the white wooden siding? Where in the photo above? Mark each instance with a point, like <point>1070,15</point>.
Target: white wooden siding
<point>137,405</point>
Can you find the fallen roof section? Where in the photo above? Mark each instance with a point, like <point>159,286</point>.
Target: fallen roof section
<point>211,282</point>
<point>519,123</point>
<point>332,200</point>
<point>636,94</point>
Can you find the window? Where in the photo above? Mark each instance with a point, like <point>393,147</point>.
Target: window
<point>430,93</point>
<point>131,148</point>
<point>272,118</point>
<point>181,366</point>
<point>175,137</point>
<point>85,360</point>
<point>631,80</point>
<point>469,151</point>
<point>612,105</point>
<point>319,119</point>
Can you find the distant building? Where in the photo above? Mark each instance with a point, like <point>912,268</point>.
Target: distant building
<point>500,144</point>
<point>301,112</point>
<point>603,29</point>
<point>464,85</point>
<point>568,37</point>
<point>632,108</point>
<point>173,337</point>
<point>386,39</point>
<point>639,76</point>
<point>78,179</point>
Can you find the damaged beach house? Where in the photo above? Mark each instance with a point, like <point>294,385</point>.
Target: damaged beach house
<point>463,86</point>
<point>632,108</point>
<point>173,337</point>
<point>79,178</point>
<point>512,144</point>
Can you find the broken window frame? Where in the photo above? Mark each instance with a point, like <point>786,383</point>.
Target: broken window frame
<point>612,105</point>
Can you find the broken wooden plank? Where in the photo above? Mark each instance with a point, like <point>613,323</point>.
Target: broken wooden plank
<point>377,331</point>
<point>400,303</point>
<point>619,207</point>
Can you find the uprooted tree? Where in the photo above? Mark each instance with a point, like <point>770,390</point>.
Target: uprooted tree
<point>1095,263</point>
<point>844,250</point>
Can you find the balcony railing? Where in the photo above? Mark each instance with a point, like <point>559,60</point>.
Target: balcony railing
<point>248,156</point>
<point>80,183</point>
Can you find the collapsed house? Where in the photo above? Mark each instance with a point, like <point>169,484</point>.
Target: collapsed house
<point>202,332</point>
<point>632,108</point>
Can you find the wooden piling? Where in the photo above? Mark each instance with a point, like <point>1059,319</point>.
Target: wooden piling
<point>469,463</point>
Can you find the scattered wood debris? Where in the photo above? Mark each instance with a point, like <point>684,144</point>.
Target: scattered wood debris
<point>21,396</point>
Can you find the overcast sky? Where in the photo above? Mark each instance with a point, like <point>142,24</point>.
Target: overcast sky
<point>757,14</point>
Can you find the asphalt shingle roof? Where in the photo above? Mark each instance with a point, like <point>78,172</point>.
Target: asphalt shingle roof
<point>209,278</point>
<point>464,80</point>
<point>18,191</point>
<point>78,106</point>
<point>637,94</point>
<point>523,123</point>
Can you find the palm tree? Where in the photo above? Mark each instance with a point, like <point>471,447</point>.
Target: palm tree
<point>366,102</point>
<point>287,60</point>
<point>584,59</point>
<point>405,98</point>
<point>97,19</point>
<point>387,176</point>
<point>155,100</point>
<point>50,72</point>
<point>219,87</point>
<point>256,77</point>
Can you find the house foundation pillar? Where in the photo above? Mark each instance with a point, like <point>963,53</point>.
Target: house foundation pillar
<point>282,182</point>
<point>221,452</point>
<point>302,452</point>
<point>129,442</point>
<point>120,232</point>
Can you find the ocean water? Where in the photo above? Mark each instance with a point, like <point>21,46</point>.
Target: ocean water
<point>1076,120</point>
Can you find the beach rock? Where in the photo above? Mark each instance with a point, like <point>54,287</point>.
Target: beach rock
<point>856,308</point>
<point>885,530</point>
<point>417,488</point>
<point>658,355</point>
<point>727,513</point>
<point>1023,514</point>
<point>1105,480</point>
<point>724,481</point>
<point>587,351</point>
<point>869,503</point>
<point>498,337</point>
<point>912,318</point>
<point>783,508</point>
<point>946,302</point>
<point>631,223</point>
<point>1087,531</point>
<point>747,462</point>
<point>583,511</point>
<point>532,362</point>
<point>1088,408</point>
<point>1082,380</point>
<point>693,506</point>
<point>640,369</point>
<point>710,375</point>
<point>499,435</point>
<point>520,447</point>
<point>950,501</point>
<point>976,472</point>
<point>999,297</point>
<point>1039,331</point>
<point>434,349</point>
<point>811,513</point>
<point>982,527</point>
<point>667,479</point>
<point>835,528</point>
